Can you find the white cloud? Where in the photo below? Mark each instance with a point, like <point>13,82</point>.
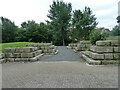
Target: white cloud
<point>22,10</point>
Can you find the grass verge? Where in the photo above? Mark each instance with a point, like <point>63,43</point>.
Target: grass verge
<point>112,39</point>
<point>13,44</point>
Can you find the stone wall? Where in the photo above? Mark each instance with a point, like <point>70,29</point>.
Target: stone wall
<point>104,52</point>
<point>2,55</point>
<point>22,54</point>
<point>31,53</point>
<point>47,48</point>
<point>82,46</point>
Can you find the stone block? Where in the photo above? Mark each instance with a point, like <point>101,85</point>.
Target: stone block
<point>8,55</point>
<point>9,50</point>
<point>90,54</point>
<point>33,59</point>
<point>52,47</point>
<point>36,48</point>
<point>27,55</point>
<point>29,49</point>
<point>84,42</point>
<point>91,61</point>
<point>115,43</point>
<point>88,45</point>
<point>38,52</point>
<point>105,62</point>
<point>76,48</point>
<point>81,45</point>
<point>45,51</point>
<point>2,55</point>
<point>68,47</point>
<point>101,49</point>
<point>2,61</point>
<point>75,45</point>
<point>10,59</point>
<point>19,50</point>
<point>87,53</point>
<point>103,43</point>
<point>109,56</point>
<point>93,48</point>
<point>34,54</point>
<point>42,48</point>
<point>117,56</point>
<point>53,50</point>
<point>84,48</point>
<point>97,56</point>
<point>116,49</point>
<point>16,55</point>
<point>21,59</point>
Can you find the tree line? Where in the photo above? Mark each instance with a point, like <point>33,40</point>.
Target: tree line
<point>64,26</point>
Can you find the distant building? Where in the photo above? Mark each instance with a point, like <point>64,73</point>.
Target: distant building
<point>101,30</point>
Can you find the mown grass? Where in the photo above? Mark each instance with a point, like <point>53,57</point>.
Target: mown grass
<point>13,44</point>
<point>112,39</point>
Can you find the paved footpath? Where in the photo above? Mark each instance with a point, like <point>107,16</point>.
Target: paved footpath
<point>53,72</point>
<point>63,55</point>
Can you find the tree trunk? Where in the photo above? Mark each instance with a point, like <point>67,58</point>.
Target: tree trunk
<point>63,42</point>
<point>63,36</point>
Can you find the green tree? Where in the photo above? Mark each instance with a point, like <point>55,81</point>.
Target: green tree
<point>21,35</point>
<point>77,22</point>
<point>44,33</point>
<point>115,31</point>
<point>31,31</point>
<point>30,28</point>
<point>83,23</point>
<point>95,35</point>
<point>60,15</point>
<point>8,30</point>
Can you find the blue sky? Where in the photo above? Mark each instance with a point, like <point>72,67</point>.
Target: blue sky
<point>19,11</point>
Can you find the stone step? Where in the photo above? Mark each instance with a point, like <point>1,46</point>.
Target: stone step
<point>108,43</point>
<point>24,59</point>
<point>103,56</point>
<point>98,62</point>
<point>102,49</point>
<point>16,50</point>
<point>91,61</point>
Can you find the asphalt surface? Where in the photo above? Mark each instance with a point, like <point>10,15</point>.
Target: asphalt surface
<point>65,55</point>
<point>65,70</point>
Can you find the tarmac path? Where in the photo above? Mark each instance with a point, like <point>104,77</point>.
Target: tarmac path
<point>65,55</point>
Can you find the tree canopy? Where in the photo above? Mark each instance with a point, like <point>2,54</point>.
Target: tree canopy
<point>8,30</point>
<point>115,31</point>
<point>83,23</point>
<point>60,15</point>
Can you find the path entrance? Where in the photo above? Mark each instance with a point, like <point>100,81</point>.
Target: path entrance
<point>64,54</point>
<point>64,70</point>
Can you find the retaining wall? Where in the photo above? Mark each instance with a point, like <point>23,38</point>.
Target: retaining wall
<point>47,48</point>
<point>104,52</point>
<point>22,54</point>
<point>82,46</point>
<point>31,53</point>
<point>2,55</point>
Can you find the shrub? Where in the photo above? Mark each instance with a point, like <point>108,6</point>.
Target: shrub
<point>95,35</point>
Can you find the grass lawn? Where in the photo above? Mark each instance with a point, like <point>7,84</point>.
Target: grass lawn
<point>13,44</point>
<point>112,39</point>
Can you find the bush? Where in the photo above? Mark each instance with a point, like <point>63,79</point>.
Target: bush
<point>95,35</point>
